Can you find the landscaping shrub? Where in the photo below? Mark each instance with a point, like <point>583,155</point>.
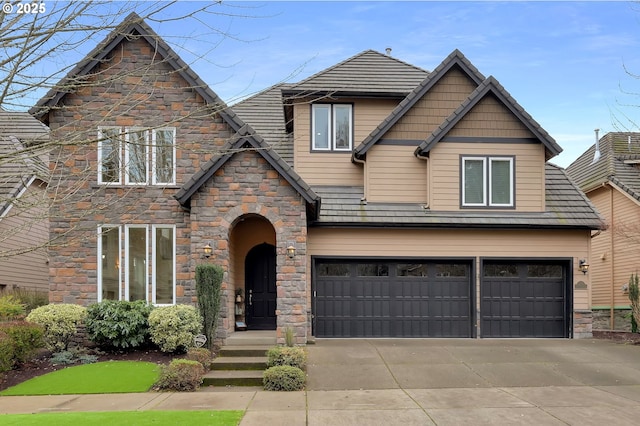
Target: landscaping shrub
<point>283,378</point>
<point>26,337</point>
<point>72,357</point>
<point>294,356</point>
<point>118,323</point>
<point>11,308</point>
<point>60,323</point>
<point>173,328</point>
<point>209,292</point>
<point>30,298</point>
<point>180,375</point>
<point>202,355</point>
<point>6,352</point>
<point>634,298</point>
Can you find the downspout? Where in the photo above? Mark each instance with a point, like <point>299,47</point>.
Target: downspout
<point>425,158</point>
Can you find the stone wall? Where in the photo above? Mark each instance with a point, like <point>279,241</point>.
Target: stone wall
<point>582,324</point>
<point>621,319</point>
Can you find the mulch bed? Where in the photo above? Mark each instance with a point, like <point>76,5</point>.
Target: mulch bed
<point>41,364</point>
<point>618,336</point>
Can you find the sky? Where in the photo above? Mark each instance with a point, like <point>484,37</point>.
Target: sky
<point>569,64</point>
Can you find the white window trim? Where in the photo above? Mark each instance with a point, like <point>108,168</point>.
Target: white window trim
<point>333,123</point>
<point>511,177</point>
<point>486,181</point>
<point>126,260</point>
<point>100,138</point>
<point>314,111</point>
<point>154,161</point>
<point>153,255</point>
<point>128,131</point>
<point>99,266</point>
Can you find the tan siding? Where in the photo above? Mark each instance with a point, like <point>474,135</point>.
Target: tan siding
<point>626,235</point>
<point>394,174</point>
<point>454,243</point>
<point>25,231</point>
<point>318,168</point>
<point>445,173</point>
<point>436,105</point>
<point>600,269</point>
<point>490,118</point>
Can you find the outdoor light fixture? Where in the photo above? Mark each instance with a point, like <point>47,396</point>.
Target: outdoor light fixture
<point>207,250</point>
<point>584,266</point>
<point>291,251</point>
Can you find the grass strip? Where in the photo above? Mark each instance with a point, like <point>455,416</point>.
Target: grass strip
<point>101,377</point>
<point>129,418</point>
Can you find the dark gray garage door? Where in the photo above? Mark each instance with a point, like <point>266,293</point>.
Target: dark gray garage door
<point>524,299</point>
<point>392,299</point>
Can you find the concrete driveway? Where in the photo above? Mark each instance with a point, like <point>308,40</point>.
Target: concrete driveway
<point>451,382</point>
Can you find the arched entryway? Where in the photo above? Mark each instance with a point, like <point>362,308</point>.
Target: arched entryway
<point>260,285</point>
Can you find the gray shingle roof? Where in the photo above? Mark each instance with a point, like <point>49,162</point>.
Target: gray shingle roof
<point>368,72</point>
<point>247,138</point>
<point>265,112</point>
<point>618,152</point>
<point>491,85</point>
<point>23,126</point>
<point>455,58</point>
<point>567,208</point>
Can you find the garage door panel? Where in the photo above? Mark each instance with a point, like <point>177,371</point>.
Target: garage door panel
<point>394,299</point>
<point>523,300</point>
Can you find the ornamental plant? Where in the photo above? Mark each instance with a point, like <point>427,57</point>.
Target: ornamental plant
<point>173,328</point>
<point>26,337</point>
<point>294,356</point>
<point>119,323</point>
<point>634,298</point>
<point>181,375</point>
<point>11,308</point>
<point>209,292</point>
<point>60,323</point>
<point>283,378</point>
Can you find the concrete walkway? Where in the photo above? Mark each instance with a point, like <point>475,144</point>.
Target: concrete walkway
<point>418,382</point>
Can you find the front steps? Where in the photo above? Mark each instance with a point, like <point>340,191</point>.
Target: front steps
<point>242,360</point>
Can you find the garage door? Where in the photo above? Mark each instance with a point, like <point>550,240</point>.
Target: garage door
<point>392,298</point>
<point>524,299</point>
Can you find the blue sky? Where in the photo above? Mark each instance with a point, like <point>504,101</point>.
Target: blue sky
<point>564,62</point>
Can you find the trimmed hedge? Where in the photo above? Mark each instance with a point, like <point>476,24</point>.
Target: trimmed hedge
<point>6,352</point>
<point>27,338</point>
<point>181,375</point>
<point>60,323</point>
<point>119,323</point>
<point>173,328</point>
<point>283,378</point>
<point>294,356</point>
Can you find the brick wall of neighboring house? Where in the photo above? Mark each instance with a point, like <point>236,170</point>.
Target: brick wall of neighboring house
<point>128,90</point>
<point>248,185</point>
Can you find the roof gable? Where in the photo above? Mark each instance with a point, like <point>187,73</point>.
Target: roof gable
<point>132,25</point>
<point>247,139</point>
<point>455,59</point>
<point>369,72</point>
<point>490,87</point>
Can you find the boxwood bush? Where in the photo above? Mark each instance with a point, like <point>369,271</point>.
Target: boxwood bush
<point>60,323</point>
<point>26,338</point>
<point>11,308</point>
<point>119,323</point>
<point>283,378</point>
<point>181,375</point>
<point>173,328</point>
<point>294,356</point>
<point>6,352</point>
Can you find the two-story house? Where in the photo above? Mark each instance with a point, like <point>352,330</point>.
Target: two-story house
<point>373,199</point>
<point>609,174</point>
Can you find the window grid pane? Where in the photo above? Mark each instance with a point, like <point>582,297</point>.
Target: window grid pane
<point>342,123</point>
<point>321,122</point>
<point>164,265</point>
<point>474,182</point>
<point>137,263</point>
<point>500,182</point>
<point>109,155</point>
<point>137,157</point>
<point>164,156</point>
<point>110,263</point>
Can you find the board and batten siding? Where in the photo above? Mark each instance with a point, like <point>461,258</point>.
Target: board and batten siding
<point>431,110</point>
<point>444,173</point>
<point>336,168</point>
<point>25,231</point>
<point>393,174</point>
<point>412,243</point>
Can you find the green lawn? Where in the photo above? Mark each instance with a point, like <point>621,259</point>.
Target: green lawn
<point>101,377</point>
<point>130,418</point>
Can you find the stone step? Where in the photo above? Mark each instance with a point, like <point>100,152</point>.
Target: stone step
<point>243,351</point>
<point>233,378</point>
<point>239,363</point>
<point>252,338</point>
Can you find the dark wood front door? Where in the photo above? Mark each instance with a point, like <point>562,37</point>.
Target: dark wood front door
<point>260,281</point>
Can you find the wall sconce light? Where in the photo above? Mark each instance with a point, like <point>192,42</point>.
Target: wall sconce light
<point>584,266</point>
<point>207,250</point>
<point>291,251</point>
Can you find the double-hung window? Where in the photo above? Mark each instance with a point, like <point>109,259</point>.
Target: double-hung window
<point>147,256</point>
<point>331,127</point>
<point>487,181</point>
<point>137,156</point>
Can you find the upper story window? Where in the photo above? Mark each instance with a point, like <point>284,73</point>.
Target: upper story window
<point>331,127</point>
<point>487,182</point>
<point>136,155</point>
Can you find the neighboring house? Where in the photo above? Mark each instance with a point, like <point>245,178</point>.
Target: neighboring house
<point>24,230</point>
<point>373,199</point>
<point>611,180</point>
